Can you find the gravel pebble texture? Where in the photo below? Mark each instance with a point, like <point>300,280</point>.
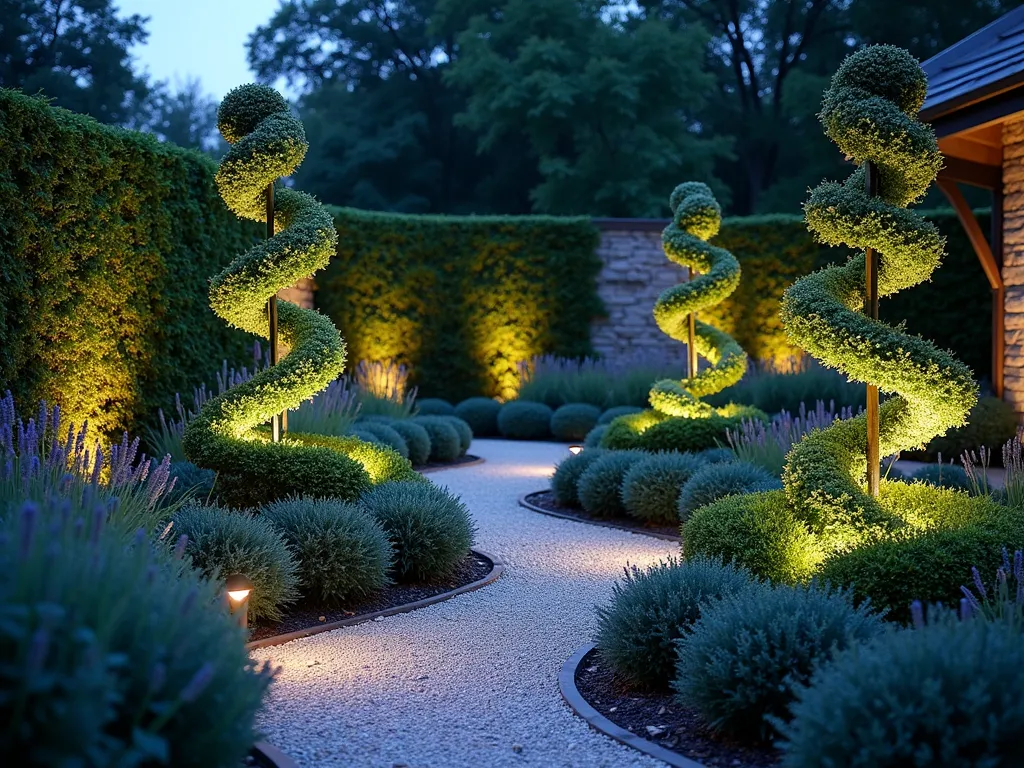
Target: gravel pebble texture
<point>471,681</point>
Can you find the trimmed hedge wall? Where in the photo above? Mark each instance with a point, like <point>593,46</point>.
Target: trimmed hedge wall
<point>107,241</point>
<point>954,309</point>
<point>462,299</point>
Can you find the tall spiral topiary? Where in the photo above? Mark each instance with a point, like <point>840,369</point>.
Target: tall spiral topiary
<point>870,111</point>
<point>696,218</point>
<point>268,142</point>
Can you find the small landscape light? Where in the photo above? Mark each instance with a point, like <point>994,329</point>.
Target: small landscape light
<point>239,588</point>
<point>575,449</point>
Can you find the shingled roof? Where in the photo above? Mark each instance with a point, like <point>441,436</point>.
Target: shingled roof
<point>978,67</point>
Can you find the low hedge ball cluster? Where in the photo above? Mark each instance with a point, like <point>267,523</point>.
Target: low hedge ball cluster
<point>530,420</point>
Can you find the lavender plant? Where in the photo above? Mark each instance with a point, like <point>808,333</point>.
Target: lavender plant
<point>41,460</point>
<point>115,654</point>
<point>556,381</point>
<point>1005,600</point>
<point>976,465</point>
<point>766,445</point>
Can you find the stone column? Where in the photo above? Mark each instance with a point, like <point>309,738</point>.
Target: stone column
<point>1013,263</point>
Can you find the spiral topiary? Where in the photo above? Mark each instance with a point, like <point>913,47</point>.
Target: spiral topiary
<point>870,111</point>
<point>226,436</point>
<point>696,218</point>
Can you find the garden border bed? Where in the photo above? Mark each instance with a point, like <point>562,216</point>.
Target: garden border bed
<point>266,755</point>
<point>526,504</point>
<point>497,568</point>
<point>471,461</point>
<point>582,708</point>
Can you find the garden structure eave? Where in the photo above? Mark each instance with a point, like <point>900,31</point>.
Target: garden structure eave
<point>974,87</point>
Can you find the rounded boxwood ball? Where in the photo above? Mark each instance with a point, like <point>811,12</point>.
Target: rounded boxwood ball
<point>464,431</point>
<point>525,420</point>
<point>650,489</point>
<point>417,439</point>
<point>599,485</point>
<point>715,481</point>
<point>572,422</point>
<point>481,413</point>
<point>650,610</point>
<point>444,439</point>
<point>226,542</point>
<point>343,552</point>
<point>386,435</point>
<point>567,475</point>
<point>434,406</point>
<point>619,410</point>
<point>364,434</point>
<point>430,529</point>
<point>593,438</point>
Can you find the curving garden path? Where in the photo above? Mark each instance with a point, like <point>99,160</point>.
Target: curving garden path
<point>471,681</point>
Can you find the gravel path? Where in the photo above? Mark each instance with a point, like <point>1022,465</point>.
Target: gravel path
<point>472,681</point>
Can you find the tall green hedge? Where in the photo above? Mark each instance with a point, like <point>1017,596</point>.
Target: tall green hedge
<point>462,299</point>
<point>954,308</point>
<point>107,240</point>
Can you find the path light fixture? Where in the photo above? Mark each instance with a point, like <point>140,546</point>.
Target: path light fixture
<point>575,449</point>
<point>239,587</point>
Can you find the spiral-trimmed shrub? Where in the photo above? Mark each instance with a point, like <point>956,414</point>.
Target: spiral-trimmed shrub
<point>650,488</point>
<point>268,142</point>
<point>481,413</point>
<point>870,111</point>
<point>696,218</point>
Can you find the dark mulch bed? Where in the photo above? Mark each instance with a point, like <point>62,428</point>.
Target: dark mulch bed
<point>683,730</point>
<point>466,459</point>
<point>302,615</point>
<point>546,500</point>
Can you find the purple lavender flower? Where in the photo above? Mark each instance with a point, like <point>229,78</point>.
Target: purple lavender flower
<point>978,583</point>
<point>29,517</point>
<point>199,682</point>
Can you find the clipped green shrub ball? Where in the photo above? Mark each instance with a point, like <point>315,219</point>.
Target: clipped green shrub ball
<point>364,433</point>
<point>417,439</point>
<point>464,431</point>
<point>619,410</point>
<point>385,435</point>
<point>652,433</point>
<point>599,485</point>
<point>481,413</point>
<point>948,694</point>
<point>944,476</point>
<point>651,609</point>
<point>716,481</point>
<point>190,483</point>
<point>571,422</point>
<point>717,456</point>
<point>222,543</point>
<point>444,439</point>
<point>593,438</point>
<point>380,463</point>
<point>748,654</point>
<point>758,532</point>
<point>430,529</point>
<point>525,420</point>
<point>115,652</point>
<point>343,553</point>
<point>434,406</point>
<point>650,489</point>
<point>567,475</point>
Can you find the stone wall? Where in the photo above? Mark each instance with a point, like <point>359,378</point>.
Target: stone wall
<point>1013,263</point>
<point>635,272</point>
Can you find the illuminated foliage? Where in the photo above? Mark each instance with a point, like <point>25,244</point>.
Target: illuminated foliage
<point>226,435</point>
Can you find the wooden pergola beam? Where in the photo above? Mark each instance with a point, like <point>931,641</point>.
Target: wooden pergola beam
<point>992,269</point>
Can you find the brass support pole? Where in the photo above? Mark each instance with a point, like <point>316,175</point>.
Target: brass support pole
<point>691,348</point>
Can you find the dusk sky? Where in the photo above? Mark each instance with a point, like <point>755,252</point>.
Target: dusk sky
<point>199,38</point>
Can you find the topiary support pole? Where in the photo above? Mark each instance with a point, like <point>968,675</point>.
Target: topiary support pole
<point>871,310</point>
<point>691,348</point>
<point>276,421</point>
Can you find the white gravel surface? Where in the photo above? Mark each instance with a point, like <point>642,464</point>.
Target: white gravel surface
<point>471,681</point>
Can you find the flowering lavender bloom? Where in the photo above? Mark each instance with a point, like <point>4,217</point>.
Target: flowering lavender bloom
<point>1005,600</point>
<point>42,458</point>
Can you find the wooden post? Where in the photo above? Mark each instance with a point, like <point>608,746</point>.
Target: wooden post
<point>871,310</point>
<point>691,348</point>
<point>276,420</point>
